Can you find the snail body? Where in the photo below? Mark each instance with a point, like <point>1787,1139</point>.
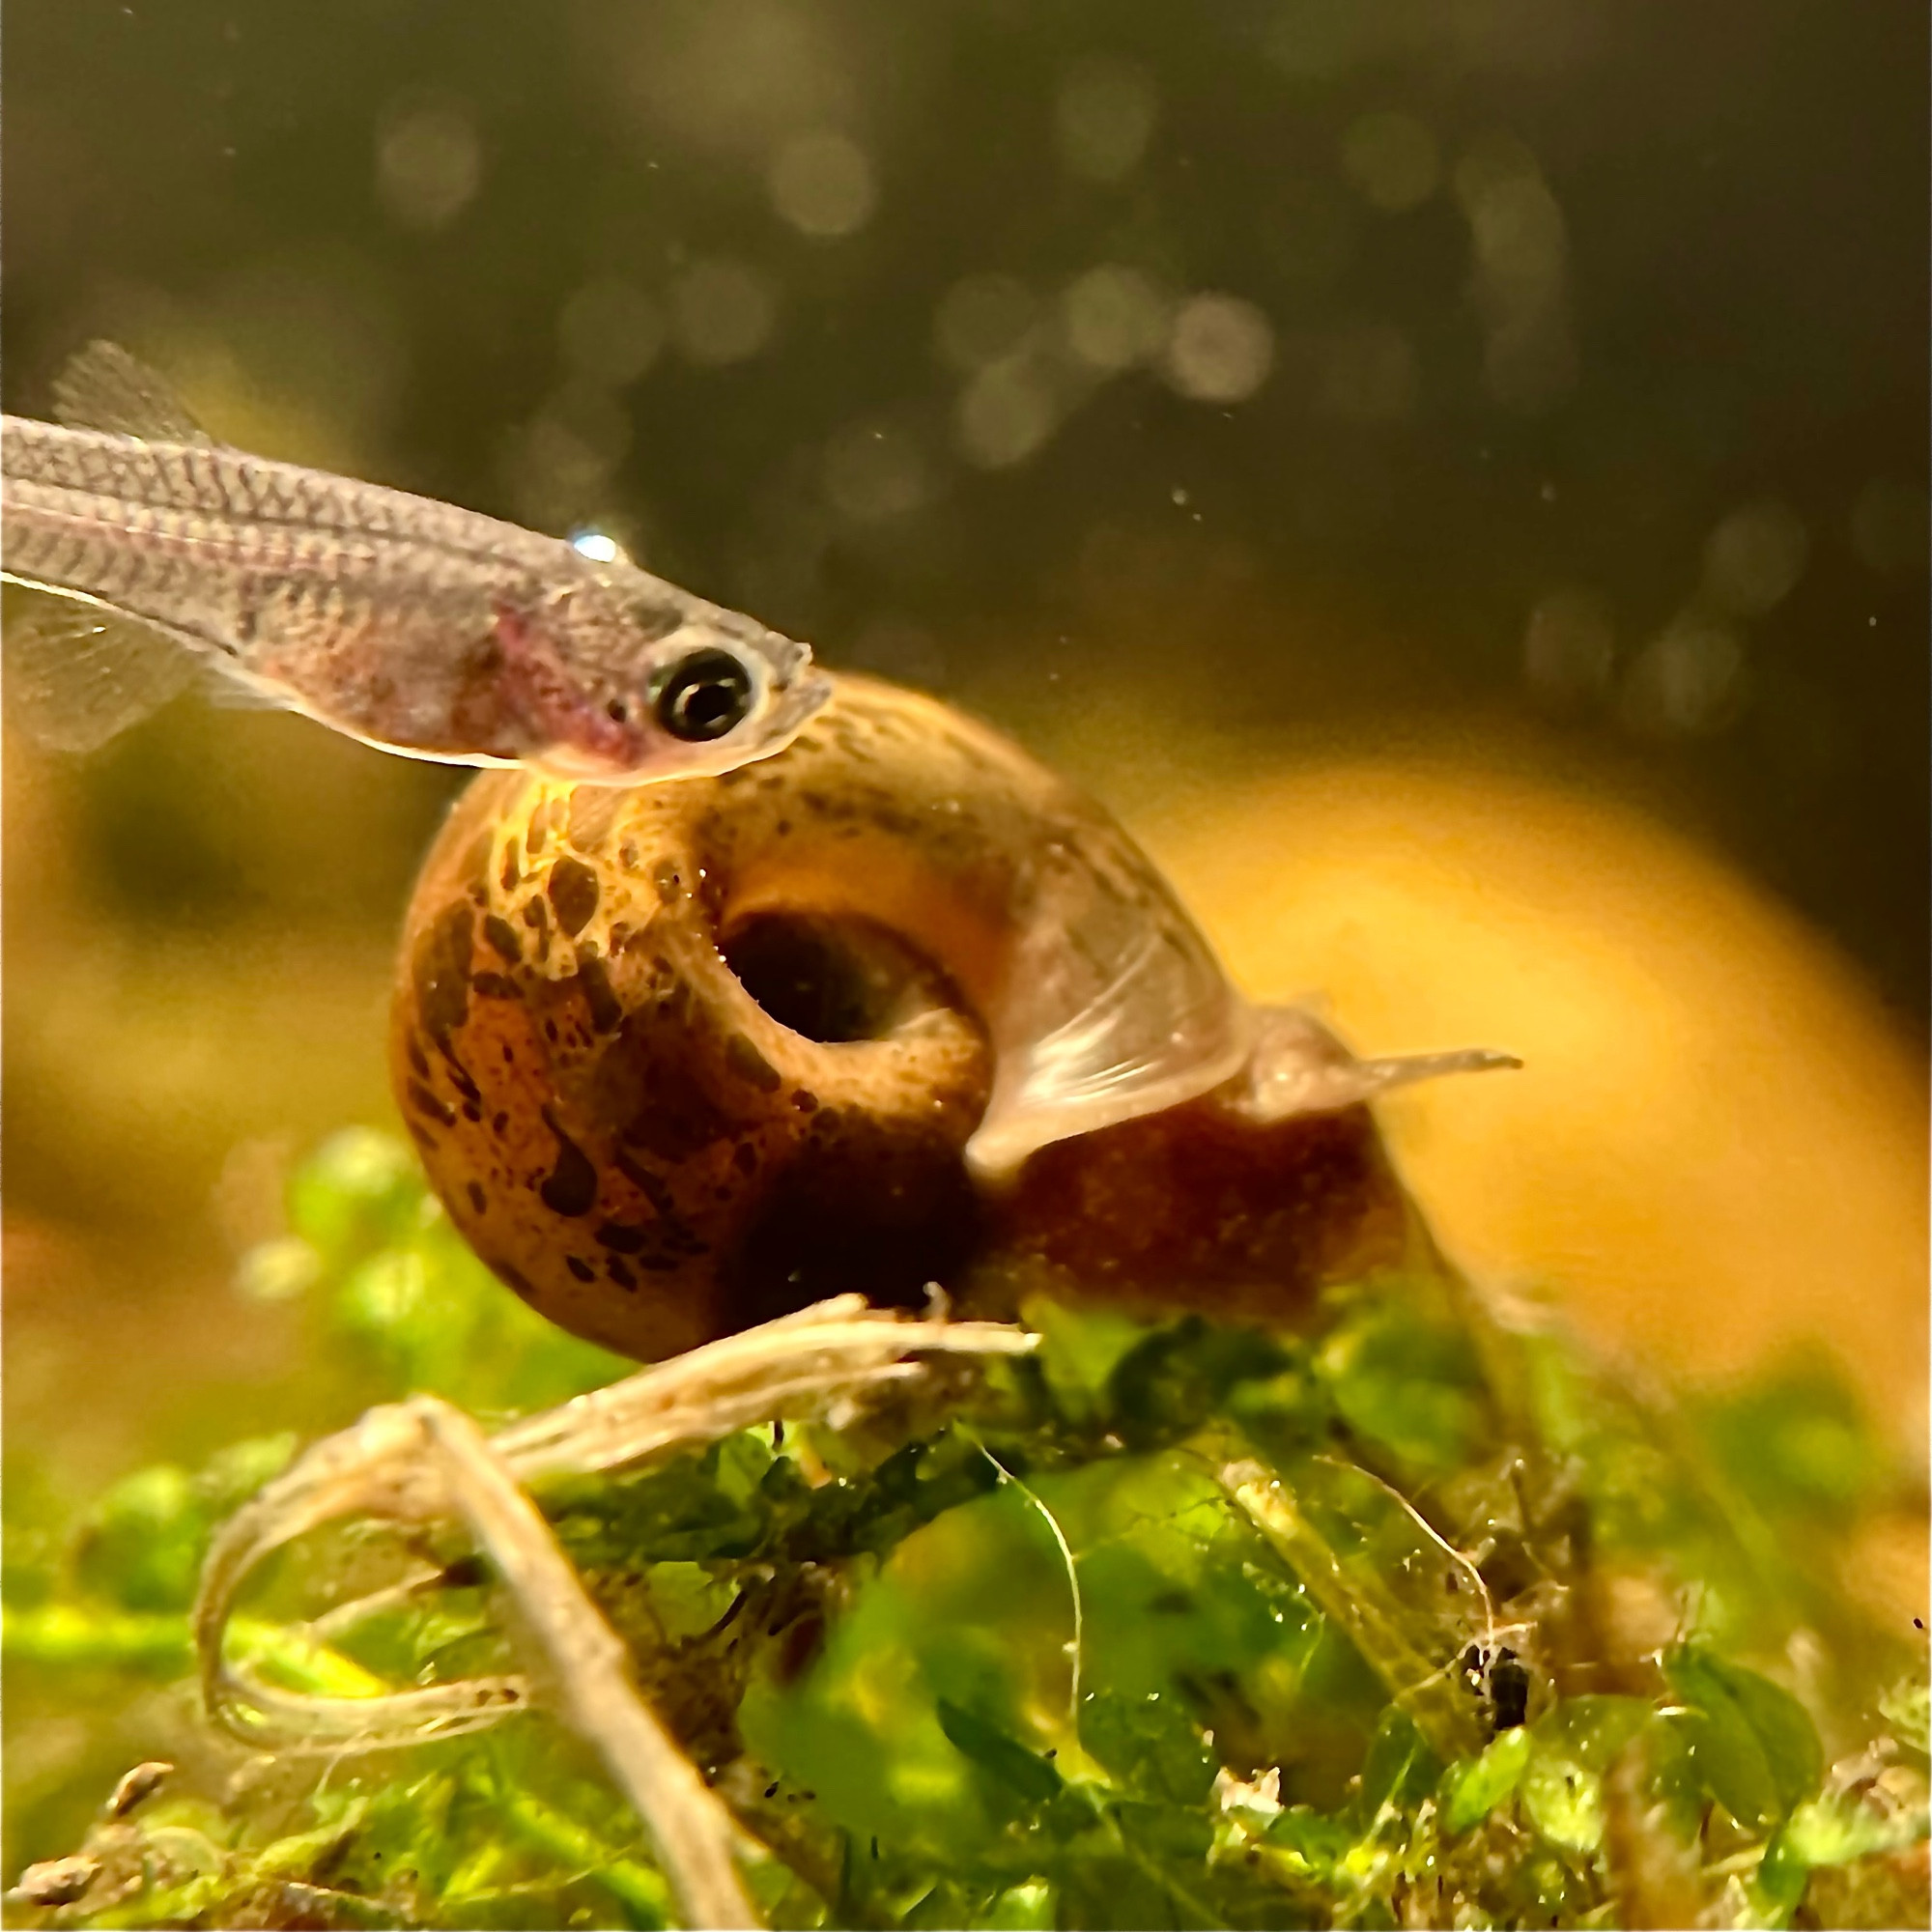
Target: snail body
<point>684,1056</point>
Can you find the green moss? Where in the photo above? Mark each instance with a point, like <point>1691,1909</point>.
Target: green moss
<point>1166,1624</point>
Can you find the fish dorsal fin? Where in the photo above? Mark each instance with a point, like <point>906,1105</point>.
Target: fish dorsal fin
<point>76,676</point>
<point>76,673</point>
<point>102,387</point>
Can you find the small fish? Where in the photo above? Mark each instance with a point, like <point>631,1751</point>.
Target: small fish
<point>415,626</point>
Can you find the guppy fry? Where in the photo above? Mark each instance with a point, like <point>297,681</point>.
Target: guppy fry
<point>413,625</point>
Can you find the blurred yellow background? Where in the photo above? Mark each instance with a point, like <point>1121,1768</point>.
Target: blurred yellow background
<point>1717,1149</point>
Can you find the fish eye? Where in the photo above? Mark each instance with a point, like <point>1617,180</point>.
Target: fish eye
<point>617,711</point>
<point>705,695</point>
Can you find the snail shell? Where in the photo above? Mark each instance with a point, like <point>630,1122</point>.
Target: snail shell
<point>893,1006</point>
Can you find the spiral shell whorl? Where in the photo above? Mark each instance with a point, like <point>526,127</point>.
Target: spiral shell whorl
<point>616,1125</point>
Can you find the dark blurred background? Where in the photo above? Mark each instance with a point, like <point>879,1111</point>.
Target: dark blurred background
<point>1317,361</point>
<point>1198,390</point>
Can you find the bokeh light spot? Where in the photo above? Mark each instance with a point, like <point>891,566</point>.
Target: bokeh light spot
<point>1754,558</point>
<point>556,466</point>
<point>1221,349</point>
<point>610,331</point>
<point>1317,40</point>
<point>1521,248</point>
<point>1103,118</point>
<point>982,318</point>
<point>823,184</point>
<point>723,311</point>
<point>1569,649</point>
<point>428,162</point>
<point>1005,413</point>
<point>1114,317</point>
<point>720,76</point>
<point>1684,682</point>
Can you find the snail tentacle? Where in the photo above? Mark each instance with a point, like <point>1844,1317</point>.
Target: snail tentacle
<point>1298,1066</point>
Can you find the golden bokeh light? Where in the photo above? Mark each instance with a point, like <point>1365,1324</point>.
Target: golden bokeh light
<point>1715,1152</point>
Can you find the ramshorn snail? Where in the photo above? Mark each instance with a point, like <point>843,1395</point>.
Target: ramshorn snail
<point>894,1006</point>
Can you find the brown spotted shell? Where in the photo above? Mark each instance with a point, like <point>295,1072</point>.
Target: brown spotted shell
<point>894,1006</point>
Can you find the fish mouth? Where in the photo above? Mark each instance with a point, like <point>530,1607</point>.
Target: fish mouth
<point>580,764</point>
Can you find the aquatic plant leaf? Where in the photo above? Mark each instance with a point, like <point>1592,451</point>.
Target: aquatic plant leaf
<point>1080,1349</point>
<point>880,1623</point>
<point>62,1638</point>
<point>1564,1800</point>
<point>1594,1729</point>
<point>1408,1384</point>
<point>1835,1828</point>
<point>1728,1761</point>
<point>141,1545</point>
<point>1323,1520</point>
<point>1821,1834</point>
<point>1320,1841</point>
<point>1021,1907</point>
<point>357,1190</point>
<point>1739,1709</point>
<point>1179,1377</point>
<point>686,1598</point>
<point>1011,1763</point>
<point>1470,1791</point>
<point>1399,1769</point>
<point>1150,1743</point>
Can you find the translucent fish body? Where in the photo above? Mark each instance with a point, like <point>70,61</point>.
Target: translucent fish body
<point>414,625</point>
